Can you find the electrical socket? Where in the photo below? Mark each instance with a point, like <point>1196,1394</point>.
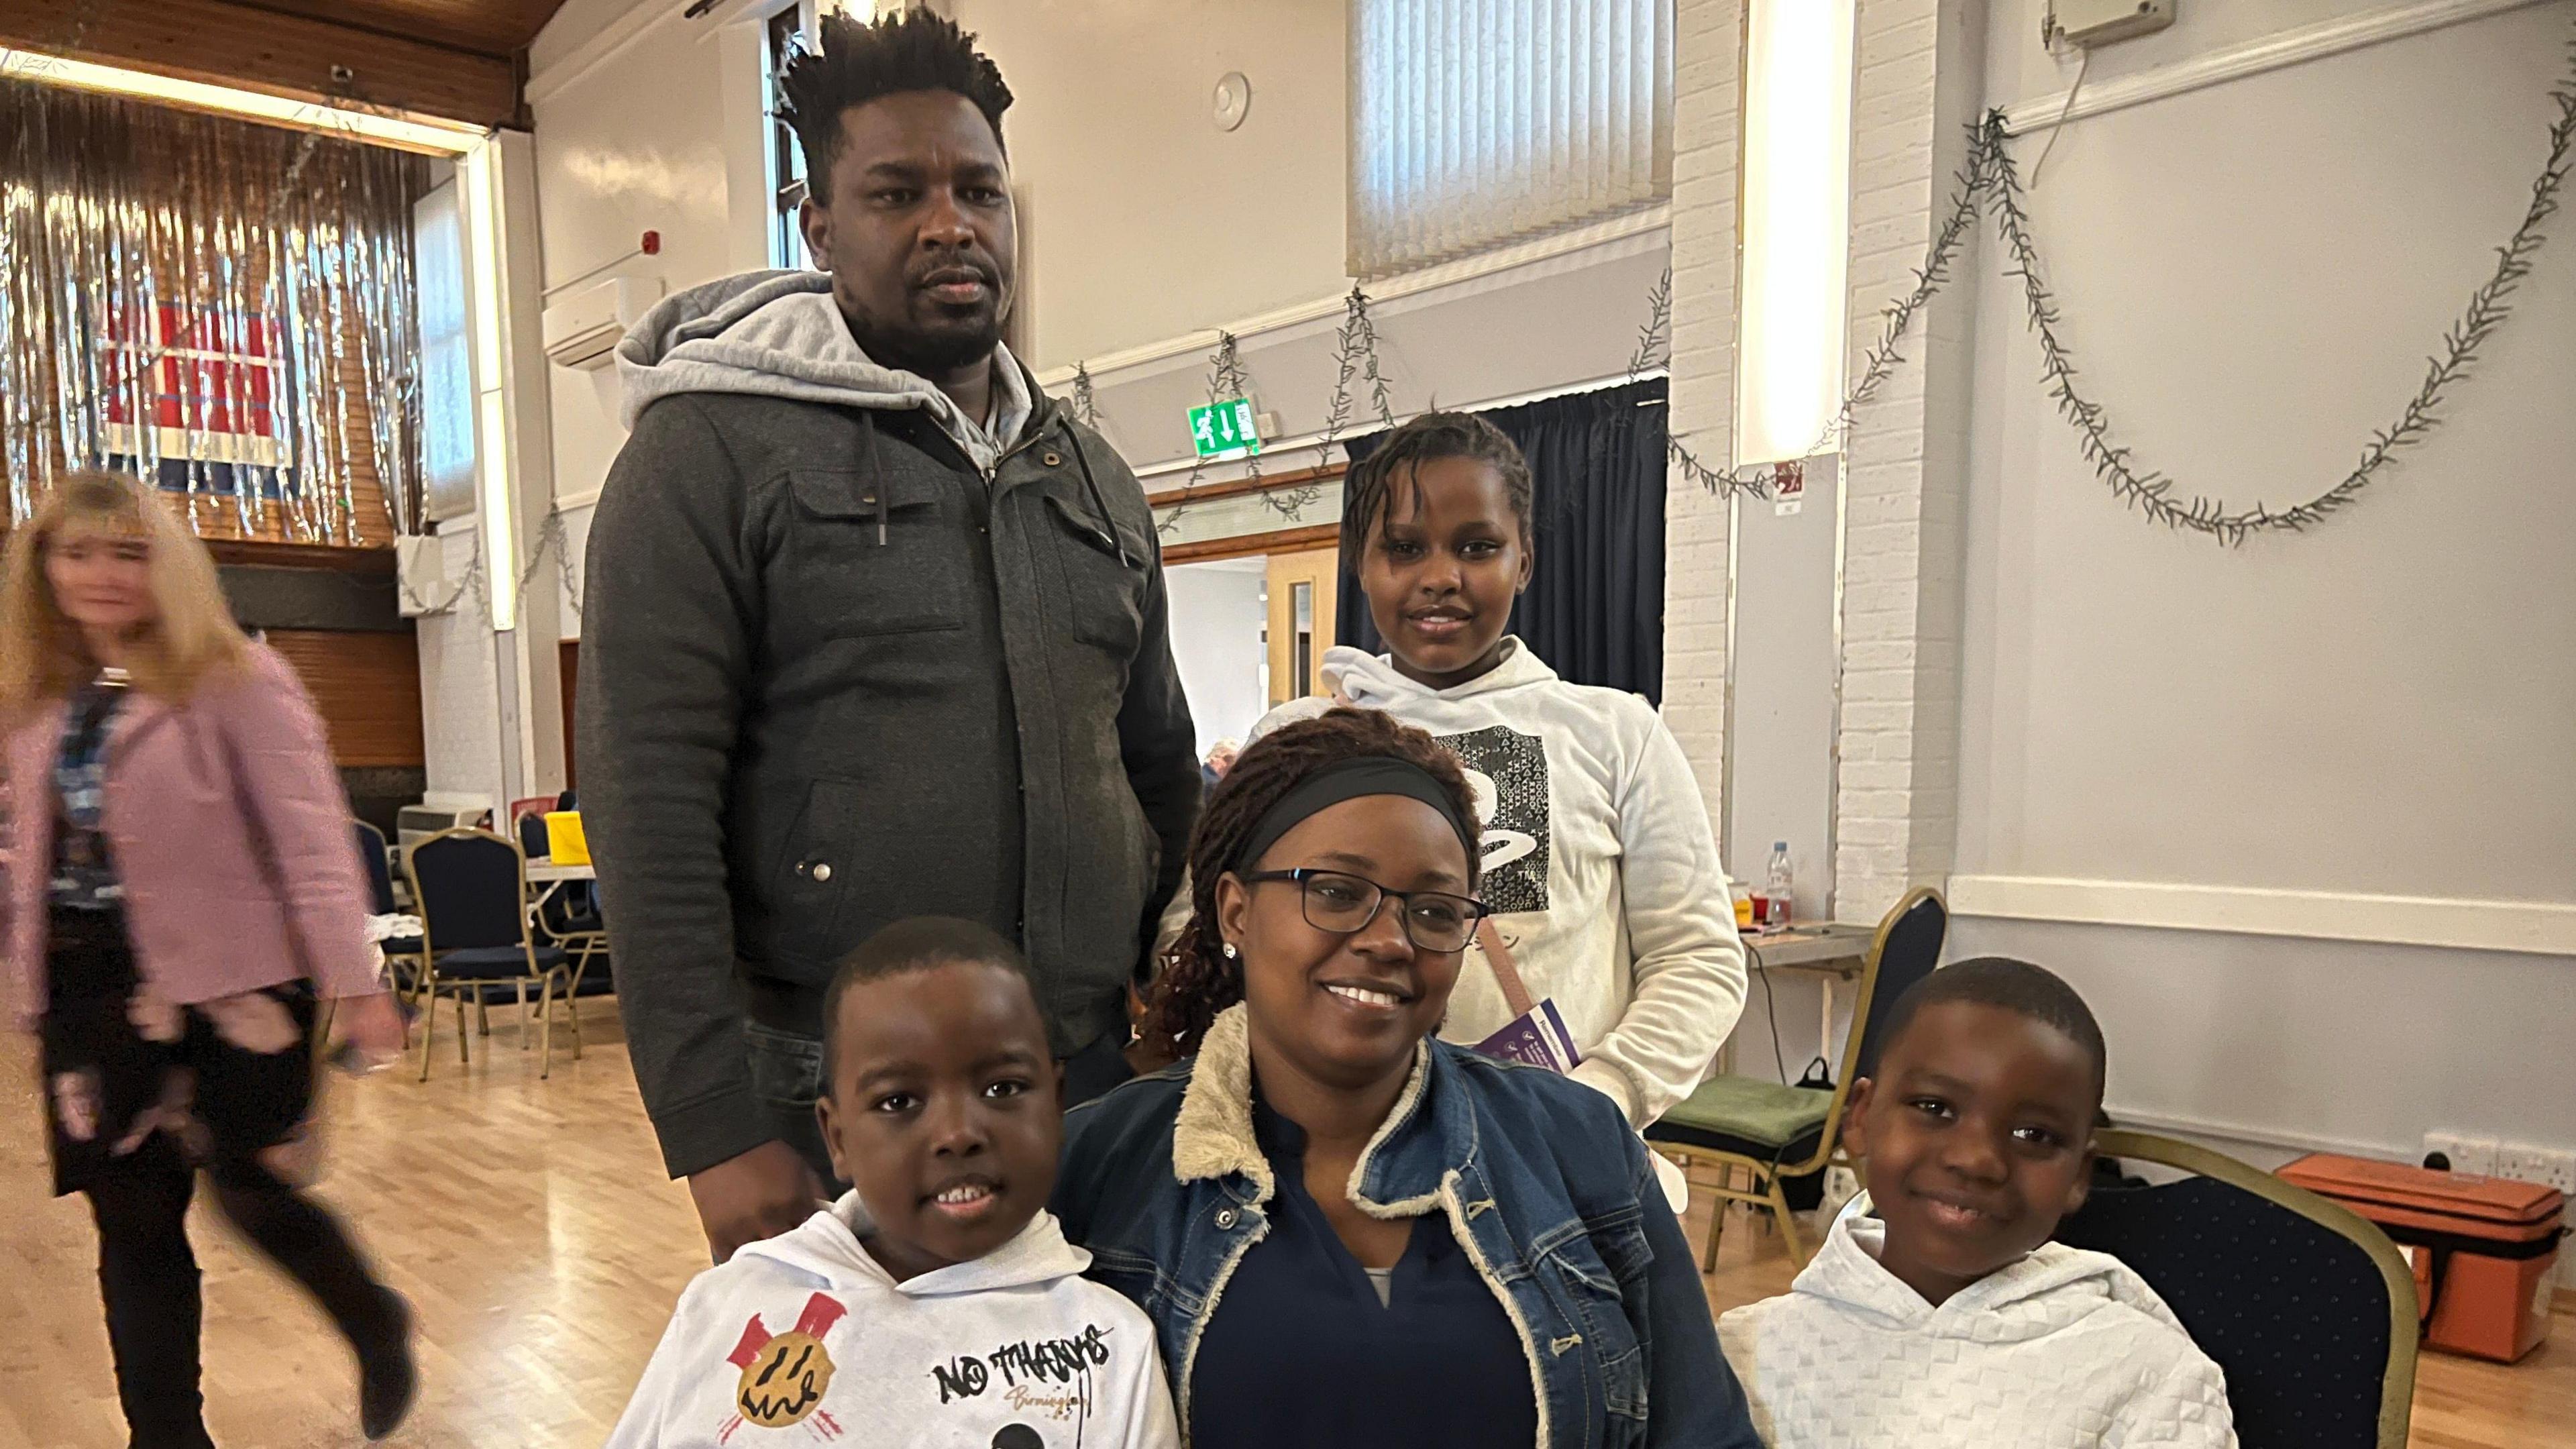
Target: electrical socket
<point>2524,1163</point>
<point>2473,1155</point>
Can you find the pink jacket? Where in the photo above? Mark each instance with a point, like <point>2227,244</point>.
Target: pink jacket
<point>229,831</point>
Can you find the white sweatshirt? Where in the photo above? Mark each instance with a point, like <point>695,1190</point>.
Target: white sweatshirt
<point>804,1338</point>
<point>1599,865</point>
<point>2063,1350</point>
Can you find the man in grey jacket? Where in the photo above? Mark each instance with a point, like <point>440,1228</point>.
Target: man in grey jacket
<point>874,630</point>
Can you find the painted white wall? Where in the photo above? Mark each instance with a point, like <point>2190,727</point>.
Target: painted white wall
<point>645,120</point>
<point>460,684</point>
<point>1218,613</point>
<point>1143,219</point>
<point>2253,274</point>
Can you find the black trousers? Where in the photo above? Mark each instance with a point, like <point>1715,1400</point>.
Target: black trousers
<point>140,1097</point>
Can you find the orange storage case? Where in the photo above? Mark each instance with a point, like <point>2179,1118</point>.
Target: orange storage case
<point>2484,1248</point>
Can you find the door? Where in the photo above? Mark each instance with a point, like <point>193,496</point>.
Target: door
<point>1302,591</point>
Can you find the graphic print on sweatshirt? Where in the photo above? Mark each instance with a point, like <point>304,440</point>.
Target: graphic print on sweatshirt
<point>786,1375</point>
<point>1041,1387</point>
<point>1040,1380</point>
<point>1508,772</point>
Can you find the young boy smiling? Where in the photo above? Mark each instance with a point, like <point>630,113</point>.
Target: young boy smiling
<point>1938,1313</point>
<point>937,1303</point>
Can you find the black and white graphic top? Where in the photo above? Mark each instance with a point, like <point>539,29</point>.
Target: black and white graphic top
<point>1508,772</point>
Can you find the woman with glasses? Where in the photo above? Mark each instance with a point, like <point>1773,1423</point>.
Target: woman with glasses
<point>182,895</point>
<point>1348,1232</point>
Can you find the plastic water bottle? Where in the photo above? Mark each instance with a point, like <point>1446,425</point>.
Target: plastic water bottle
<point>1776,889</point>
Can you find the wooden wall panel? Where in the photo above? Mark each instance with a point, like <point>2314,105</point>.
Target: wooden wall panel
<point>291,55</point>
<point>368,689</point>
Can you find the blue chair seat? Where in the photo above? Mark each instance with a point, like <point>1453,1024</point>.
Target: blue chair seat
<point>400,945</point>
<point>491,963</point>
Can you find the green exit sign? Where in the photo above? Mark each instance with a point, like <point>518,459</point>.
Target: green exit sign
<point>1225,429</point>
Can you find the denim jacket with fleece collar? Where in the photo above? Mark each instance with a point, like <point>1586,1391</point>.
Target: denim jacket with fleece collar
<point>1542,1184</point>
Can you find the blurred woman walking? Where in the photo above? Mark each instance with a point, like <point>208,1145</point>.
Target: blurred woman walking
<point>183,890</point>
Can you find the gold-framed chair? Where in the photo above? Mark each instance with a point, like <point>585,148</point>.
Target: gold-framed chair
<point>2259,1271</point>
<point>559,920</point>
<point>470,886</point>
<point>1768,1131</point>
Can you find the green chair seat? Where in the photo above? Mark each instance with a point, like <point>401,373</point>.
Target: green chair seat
<point>1749,1117</point>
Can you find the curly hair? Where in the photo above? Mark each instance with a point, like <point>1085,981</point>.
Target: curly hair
<point>1368,486</point>
<point>860,60</point>
<point>1198,981</point>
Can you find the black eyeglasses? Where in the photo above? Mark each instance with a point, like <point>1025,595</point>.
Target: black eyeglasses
<point>1344,904</point>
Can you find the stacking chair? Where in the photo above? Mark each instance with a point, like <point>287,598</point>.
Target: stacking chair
<point>471,886</point>
<point>2308,1309</point>
<point>380,888</point>
<point>567,916</point>
<point>1772,1131</point>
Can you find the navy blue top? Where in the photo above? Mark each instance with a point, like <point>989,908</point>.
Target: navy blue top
<point>84,869</point>
<point>1300,1352</point>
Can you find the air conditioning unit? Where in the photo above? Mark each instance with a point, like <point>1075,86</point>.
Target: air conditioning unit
<point>416,823</point>
<point>583,329</point>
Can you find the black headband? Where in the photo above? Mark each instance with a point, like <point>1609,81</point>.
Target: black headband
<point>1350,780</point>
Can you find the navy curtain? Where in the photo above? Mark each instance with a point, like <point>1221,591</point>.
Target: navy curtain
<point>1595,606</point>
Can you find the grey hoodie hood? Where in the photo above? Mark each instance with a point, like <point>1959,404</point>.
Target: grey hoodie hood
<point>780,334</point>
<point>827,1247</point>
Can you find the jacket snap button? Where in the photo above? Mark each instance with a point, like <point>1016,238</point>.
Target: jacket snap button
<point>822,870</point>
<point>1051,459</point>
<point>1225,1217</point>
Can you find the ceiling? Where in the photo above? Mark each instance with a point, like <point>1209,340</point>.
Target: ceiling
<point>485,27</point>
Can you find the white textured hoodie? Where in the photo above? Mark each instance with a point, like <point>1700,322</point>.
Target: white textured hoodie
<point>804,1338</point>
<point>1599,865</point>
<point>2065,1349</point>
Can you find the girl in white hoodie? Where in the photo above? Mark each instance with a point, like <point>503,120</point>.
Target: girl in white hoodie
<point>936,1305</point>
<point>1599,864</point>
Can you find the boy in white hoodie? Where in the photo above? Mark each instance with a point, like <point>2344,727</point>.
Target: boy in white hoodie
<point>1599,864</point>
<point>1945,1319</point>
<point>936,1304</point>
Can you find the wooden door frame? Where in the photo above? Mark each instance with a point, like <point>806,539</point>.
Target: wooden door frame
<point>1252,545</point>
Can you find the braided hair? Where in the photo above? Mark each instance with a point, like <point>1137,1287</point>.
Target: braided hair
<point>1198,981</point>
<point>1368,486</point>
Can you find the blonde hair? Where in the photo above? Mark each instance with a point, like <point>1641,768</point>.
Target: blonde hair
<point>190,635</point>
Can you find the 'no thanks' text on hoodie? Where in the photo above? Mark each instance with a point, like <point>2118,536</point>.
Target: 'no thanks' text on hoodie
<point>805,1339</point>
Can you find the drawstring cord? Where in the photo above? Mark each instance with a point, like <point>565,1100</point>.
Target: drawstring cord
<point>1108,521</point>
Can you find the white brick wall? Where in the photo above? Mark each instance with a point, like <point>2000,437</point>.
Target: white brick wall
<point>1706,114</point>
<point>1896,805</point>
<point>1895,812</point>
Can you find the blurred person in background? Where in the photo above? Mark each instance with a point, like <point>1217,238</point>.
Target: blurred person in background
<point>183,894</point>
<point>1220,758</point>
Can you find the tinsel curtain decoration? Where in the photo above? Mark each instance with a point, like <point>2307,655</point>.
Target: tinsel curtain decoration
<point>225,306</point>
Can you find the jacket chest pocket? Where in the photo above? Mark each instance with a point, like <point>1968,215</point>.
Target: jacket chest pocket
<point>1104,567</point>
<point>872,553</point>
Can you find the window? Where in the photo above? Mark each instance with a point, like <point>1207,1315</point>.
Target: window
<point>786,158</point>
<point>446,355</point>
<point>1477,122</point>
<point>1796,228</point>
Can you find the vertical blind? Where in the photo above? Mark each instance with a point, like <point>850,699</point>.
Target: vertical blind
<point>1476,122</point>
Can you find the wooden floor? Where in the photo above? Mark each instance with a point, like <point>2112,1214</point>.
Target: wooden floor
<point>530,1223</point>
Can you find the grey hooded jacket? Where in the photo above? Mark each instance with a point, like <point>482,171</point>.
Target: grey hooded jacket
<point>847,657</point>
